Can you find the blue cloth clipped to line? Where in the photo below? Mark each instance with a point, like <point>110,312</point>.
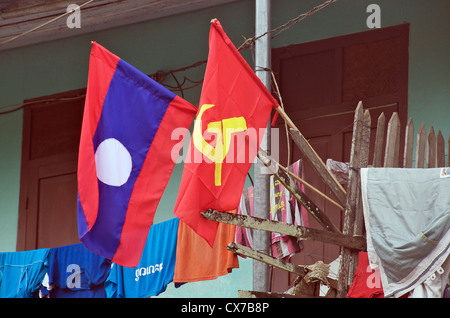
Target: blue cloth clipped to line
<point>155,269</point>
<point>21,273</point>
<point>76,272</point>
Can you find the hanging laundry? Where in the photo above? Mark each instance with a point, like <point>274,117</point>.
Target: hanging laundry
<point>339,169</point>
<point>244,235</point>
<point>283,246</point>
<point>283,208</point>
<point>155,269</point>
<point>21,273</point>
<point>366,281</point>
<point>198,261</point>
<point>435,285</point>
<point>407,220</point>
<point>76,272</point>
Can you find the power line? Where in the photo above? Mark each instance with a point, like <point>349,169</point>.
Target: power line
<point>160,76</point>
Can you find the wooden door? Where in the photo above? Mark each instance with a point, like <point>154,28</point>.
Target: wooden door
<point>48,194</point>
<point>321,84</point>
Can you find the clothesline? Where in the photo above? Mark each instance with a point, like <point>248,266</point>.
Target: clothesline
<point>74,271</point>
<point>248,43</point>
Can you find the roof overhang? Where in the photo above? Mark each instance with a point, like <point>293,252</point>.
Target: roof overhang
<point>19,17</point>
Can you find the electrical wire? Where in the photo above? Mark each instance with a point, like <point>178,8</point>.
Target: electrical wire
<point>161,76</point>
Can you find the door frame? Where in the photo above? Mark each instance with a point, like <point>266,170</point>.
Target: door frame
<point>32,169</point>
<point>375,104</point>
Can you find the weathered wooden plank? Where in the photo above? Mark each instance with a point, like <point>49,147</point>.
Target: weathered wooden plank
<point>311,155</point>
<point>304,288</point>
<point>346,266</point>
<point>299,195</point>
<point>328,178</point>
<point>379,141</point>
<point>409,144</point>
<point>312,188</point>
<point>354,242</point>
<point>440,150</point>
<point>274,167</point>
<point>363,162</point>
<point>430,158</point>
<point>279,263</point>
<point>420,147</point>
<point>391,155</point>
<point>365,142</point>
<point>350,206</point>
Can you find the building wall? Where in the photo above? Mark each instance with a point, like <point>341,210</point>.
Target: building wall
<point>181,40</point>
<point>429,46</point>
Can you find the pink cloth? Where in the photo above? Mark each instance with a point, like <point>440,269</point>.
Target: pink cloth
<point>283,208</point>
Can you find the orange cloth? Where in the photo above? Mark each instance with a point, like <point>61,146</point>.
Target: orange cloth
<point>196,260</point>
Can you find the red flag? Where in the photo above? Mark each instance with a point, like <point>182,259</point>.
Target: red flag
<point>234,111</point>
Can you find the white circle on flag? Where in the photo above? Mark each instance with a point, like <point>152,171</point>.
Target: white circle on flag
<point>113,162</point>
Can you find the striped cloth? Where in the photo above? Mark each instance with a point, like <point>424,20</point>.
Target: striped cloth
<point>283,208</point>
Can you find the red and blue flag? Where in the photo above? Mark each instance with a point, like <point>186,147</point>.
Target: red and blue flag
<point>125,155</point>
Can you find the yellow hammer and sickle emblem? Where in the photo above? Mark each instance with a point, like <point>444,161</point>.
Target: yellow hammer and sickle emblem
<point>223,130</point>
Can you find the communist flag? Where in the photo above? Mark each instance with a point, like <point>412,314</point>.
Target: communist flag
<point>234,110</point>
<point>125,155</point>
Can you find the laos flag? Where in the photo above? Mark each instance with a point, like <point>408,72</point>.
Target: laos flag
<point>125,155</point>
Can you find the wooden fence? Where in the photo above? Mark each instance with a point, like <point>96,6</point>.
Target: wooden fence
<point>429,152</point>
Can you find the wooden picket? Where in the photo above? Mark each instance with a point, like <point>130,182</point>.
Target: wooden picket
<point>440,150</point>
<point>379,141</point>
<point>429,147</point>
<point>391,155</point>
<point>409,144</point>
<point>420,147</point>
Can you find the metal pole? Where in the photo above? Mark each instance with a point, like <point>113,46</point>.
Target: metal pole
<point>261,239</point>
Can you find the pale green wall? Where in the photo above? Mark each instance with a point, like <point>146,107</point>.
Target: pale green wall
<point>429,45</point>
<point>10,152</point>
<point>181,40</point>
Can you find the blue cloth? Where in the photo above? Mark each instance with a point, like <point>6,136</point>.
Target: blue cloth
<point>21,273</point>
<point>155,269</point>
<point>76,272</point>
